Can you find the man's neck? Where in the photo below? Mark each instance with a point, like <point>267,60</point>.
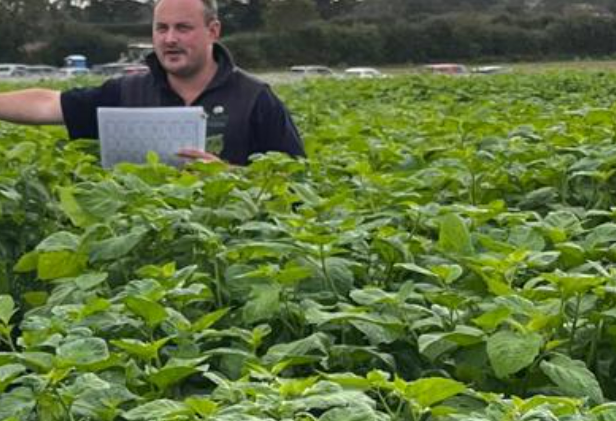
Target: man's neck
<point>189,88</point>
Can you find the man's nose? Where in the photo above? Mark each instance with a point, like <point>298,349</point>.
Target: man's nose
<point>170,36</point>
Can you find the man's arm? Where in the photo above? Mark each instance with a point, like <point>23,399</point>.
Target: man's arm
<point>31,106</point>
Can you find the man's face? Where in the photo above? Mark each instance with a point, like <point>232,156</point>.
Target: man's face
<point>182,39</point>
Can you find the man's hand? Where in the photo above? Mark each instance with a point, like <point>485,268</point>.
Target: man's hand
<point>198,155</point>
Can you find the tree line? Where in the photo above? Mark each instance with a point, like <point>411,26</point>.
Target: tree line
<point>271,33</point>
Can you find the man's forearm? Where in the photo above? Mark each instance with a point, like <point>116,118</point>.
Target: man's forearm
<point>31,106</point>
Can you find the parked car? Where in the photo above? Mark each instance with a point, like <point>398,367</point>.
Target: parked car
<point>12,70</point>
<point>448,69</point>
<point>489,70</point>
<point>136,69</point>
<point>312,70</point>
<point>363,72</point>
<point>73,71</point>
<point>119,69</point>
<point>110,69</point>
<point>41,71</point>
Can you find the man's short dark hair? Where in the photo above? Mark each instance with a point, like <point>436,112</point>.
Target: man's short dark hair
<point>211,9</point>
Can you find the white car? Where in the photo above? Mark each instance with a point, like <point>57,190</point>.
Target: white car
<point>41,71</point>
<point>489,70</point>
<point>74,71</point>
<point>110,69</point>
<point>363,72</point>
<point>12,70</point>
<point>312,70</point>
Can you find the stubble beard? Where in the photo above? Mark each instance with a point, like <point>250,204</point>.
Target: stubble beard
<point>183,69</point>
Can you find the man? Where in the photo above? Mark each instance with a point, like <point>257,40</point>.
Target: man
<point>188,67</point>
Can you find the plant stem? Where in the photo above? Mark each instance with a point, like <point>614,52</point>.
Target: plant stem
<point>264,188</point>
<point>64,406</point>
<point>473,191</point>
<point>9,341</point>
<point>218,284</point>
<point>288,320</point>
<point>564,188</point>
<point>386,406</point>
<point>388,273</point>
<point>592,353</point>
<point>574,327</point>
<point>329,280</point>
<point>399,409</point>
<point>415,225</point>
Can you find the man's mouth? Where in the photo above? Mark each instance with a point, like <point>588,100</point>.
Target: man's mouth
<point>173,53</point>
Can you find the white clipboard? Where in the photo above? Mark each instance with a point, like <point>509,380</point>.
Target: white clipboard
<point>127,134</point>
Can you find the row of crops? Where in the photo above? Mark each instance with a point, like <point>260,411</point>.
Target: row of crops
<point>447,253</point>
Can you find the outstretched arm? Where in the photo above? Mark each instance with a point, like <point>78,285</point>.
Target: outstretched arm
<point>31,106</point>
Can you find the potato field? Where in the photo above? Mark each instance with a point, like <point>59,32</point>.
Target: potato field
<point>446,253</point>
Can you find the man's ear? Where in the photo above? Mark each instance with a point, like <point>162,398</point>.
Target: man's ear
<point>214,27</point>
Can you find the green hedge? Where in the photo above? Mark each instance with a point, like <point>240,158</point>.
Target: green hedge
<point>420,39</point>
<point>437,38</point>
<point>65,39</point>
<point>323,43</point>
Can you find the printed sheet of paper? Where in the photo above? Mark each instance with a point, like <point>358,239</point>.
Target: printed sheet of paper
<point>127,134</point>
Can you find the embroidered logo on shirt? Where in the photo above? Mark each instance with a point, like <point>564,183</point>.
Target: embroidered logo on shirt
<point>214,145</point>
<point>216,125</point>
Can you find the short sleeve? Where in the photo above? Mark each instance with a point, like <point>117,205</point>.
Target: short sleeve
<point>273,128</point>
<point>79,108</point>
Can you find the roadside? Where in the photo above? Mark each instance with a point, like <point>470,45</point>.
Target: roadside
<point>285,76</point>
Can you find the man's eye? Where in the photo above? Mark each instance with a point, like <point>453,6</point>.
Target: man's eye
<point>184,28</point>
